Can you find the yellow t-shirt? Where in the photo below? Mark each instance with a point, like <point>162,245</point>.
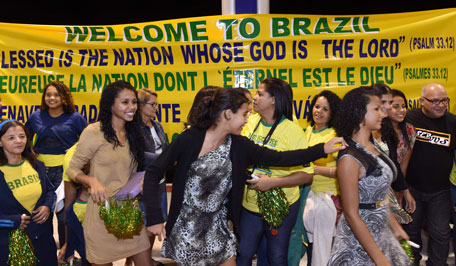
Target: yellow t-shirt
<point>66,161</point>
<point>79,209</point>
<point>453,174</point>
<point>287,136</point>
<point>51,160</point>
<point>24,182</point>
<point>322,183</point>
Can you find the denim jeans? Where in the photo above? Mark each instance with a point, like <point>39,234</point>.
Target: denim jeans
<point>262,253</point>
<point>433,212</point>
<point>252,228</point>
<point>55,175</point>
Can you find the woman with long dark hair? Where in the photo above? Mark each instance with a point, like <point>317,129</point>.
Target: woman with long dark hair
<point>26,195</point>
<point>405,132</point>
<point>367,231</point>
<point>115,148</point>
<point>211,162</point>
<point>386,138</point>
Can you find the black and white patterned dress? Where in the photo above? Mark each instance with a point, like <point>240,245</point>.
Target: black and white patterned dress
<point>201,235</point>
<point>372,187</point>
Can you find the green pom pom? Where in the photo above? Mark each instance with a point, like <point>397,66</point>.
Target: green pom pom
<point>273,205</point>
<point>21,251</point>
<point>408,250</point>
<point>123,218</point>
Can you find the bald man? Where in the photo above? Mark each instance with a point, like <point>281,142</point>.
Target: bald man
<point>429,170</point>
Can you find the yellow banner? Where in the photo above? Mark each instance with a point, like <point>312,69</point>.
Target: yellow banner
<point>176,58</point>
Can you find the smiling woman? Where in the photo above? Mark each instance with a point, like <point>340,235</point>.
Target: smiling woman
<point>25,193</point>
<point>57,127</point>
<point>114,146</point>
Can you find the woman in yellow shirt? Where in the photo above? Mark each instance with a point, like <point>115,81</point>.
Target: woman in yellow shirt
<point>25,193</point>
<point>273,103</point>
<point>322,206</point>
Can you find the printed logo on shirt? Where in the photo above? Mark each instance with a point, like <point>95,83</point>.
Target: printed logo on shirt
<point>24,181</point>
<point>433,137</point>
<point>259,140</point>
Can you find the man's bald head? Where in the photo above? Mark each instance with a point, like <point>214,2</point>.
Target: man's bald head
<point>434,100</point>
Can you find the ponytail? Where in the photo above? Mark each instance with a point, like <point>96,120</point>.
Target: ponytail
<point>209,108</point>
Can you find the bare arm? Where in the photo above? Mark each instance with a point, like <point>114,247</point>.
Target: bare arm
<point>410,203</point>
<point>398,232</point>
<point>70,193</point>
<point>266,183</point>
<point>349,172</point>
<point>329,171</point>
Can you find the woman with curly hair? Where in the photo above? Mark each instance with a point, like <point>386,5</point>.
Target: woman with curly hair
<point>322,207</point>
<point>367,231</point>
<point>57,127</point>
<point>114,146</point>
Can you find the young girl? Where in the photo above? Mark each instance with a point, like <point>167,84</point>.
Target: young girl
<point>75,207</point>
<point>57,127</point>
<point>364,235</point>
<point>25,193</point>
<point>405,132</point>
<point>115,148</point>
<point>212,160</point>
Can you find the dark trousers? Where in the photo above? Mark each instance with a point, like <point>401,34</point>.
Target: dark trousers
<point>432,211</point>
<point>453,214</point>
<point>55,175</point>
<point>252,228</point>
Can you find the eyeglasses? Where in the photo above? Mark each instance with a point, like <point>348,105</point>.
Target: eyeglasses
<point>445,101</point>
<point>153,105</point>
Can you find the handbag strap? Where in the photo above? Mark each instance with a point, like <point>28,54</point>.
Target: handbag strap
<point>268,136</point>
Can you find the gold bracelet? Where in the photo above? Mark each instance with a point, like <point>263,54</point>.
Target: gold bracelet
<point>330,171</point>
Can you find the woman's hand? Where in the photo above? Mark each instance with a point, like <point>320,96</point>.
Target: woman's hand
<point>410,203</point>
<point>61,253</point>
<point>157,230</point>
<point>335,144</point>
<point>25,220</point>
<point>263,183</point>
<point>97,191</point>
<point>41,214</point>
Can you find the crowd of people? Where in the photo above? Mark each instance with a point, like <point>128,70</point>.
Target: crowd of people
<point>248,182</point>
